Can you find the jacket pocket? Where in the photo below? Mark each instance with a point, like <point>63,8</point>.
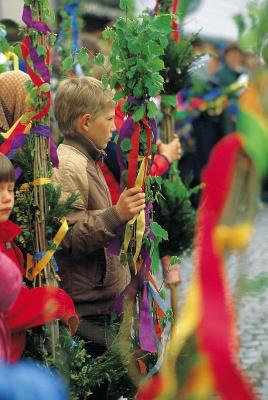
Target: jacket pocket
<point>97,271</point>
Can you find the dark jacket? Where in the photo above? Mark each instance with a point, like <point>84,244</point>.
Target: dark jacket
<point>91,276</point>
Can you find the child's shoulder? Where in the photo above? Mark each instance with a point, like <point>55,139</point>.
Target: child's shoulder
<point>71,158</point>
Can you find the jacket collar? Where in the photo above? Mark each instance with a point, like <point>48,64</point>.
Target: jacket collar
<point>86,146</point>
<point>8,231</point>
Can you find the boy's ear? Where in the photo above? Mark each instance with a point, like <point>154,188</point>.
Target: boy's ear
<point>83,122</point>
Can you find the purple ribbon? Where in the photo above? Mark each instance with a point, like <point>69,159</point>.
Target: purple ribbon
<point>149,232</point>
<point>28,20</point>
<point>125,132</point>
<point>39,64</point>
<point>18,172</point>
<point>44,130</point>
<point>154,129</point>
<point>114,247</point>
<point>135,284</point>
<point>147,341</point>
<point>17,143</point>
<point>135,100</point>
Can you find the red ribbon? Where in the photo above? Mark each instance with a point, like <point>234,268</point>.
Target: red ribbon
<point>6,146</point>
<point>216,333</point>
<point>133,156</point>
<point>35,78</point>
<point>175,25</point>
<point>149,143</point>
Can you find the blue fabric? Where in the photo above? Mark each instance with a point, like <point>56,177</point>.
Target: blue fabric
<point>30,381</point>
<point>71,9</point>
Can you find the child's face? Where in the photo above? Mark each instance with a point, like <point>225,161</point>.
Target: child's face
<point>6,200</point>
<point>100,129</point>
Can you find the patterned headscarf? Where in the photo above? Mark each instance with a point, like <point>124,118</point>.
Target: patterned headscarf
<point>12,98</point>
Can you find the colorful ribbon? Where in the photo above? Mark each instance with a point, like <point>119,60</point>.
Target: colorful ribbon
<point>37,182</point>
<point>28,20</point>
<point>15,58</point>
<point>58,238</point>
<point>38,81</point>
<point>175,25</point>
<point>71,9</point>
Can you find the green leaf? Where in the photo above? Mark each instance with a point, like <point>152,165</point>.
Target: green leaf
<point>175,260</point>
<point>107,34</point>
<point>159,232</point>
<point>83,57</point>
<point>17,50</point>
<point>154,148</point>
<point>153,87</point>
<point>45,87</point>
<point>99,59</point>
<point>163,41</point>
<point>26,117</point>
<point>155,259</point>
<point>169,100</point>
<point>155,49</point>
<point>126,145</point>
<point>157,65</point>
<point>41,50</point>
<point>138,90</point>
<point>138,114</point>
<point>134,47</point>
<point>152,109</point>
<point>105,81</point>
<point>162,23</point>
<point>119,95</point>
<point>67,63</point>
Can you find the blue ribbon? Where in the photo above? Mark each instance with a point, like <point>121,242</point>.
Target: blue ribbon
<point>40,254</point>
<point>71,9</point>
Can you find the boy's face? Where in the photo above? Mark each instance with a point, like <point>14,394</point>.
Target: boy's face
<point>6,200</point>
<point>100,129</point>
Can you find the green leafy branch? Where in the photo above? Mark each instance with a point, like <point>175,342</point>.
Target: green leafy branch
<point>137,47</point>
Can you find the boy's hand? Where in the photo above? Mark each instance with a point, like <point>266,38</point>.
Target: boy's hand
<point>130,203</point>
<point>172,150</point>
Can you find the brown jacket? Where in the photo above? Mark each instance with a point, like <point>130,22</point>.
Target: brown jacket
<point>89,274</point>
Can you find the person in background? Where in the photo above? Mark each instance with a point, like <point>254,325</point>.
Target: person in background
<point>13,36</point>
<point>232,71</point>
<point>232,67</point>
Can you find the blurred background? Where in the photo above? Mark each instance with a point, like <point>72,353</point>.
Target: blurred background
<point>213,18</point>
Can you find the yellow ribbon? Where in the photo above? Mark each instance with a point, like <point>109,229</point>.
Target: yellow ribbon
<point>58,238</point>
<point>9,55</point>
<point>234,237</point>
<point>139,219</point>
<point>36,182</point>
<point>184,327</point>
<point>236,86</point>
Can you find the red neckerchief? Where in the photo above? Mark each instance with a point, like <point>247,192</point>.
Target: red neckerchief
<point>8,231</point>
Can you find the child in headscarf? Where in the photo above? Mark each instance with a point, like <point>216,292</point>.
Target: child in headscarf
<point>12,98</point>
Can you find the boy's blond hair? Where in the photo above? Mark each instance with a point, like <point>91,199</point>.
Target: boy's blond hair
<point>79,96</point>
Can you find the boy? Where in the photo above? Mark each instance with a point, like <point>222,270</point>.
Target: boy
<point>92,277</point>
